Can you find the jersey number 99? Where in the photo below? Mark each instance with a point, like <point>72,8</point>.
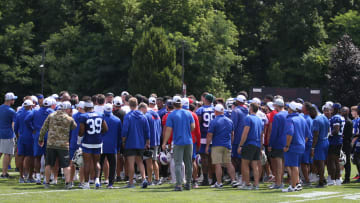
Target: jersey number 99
<point>207,117</point>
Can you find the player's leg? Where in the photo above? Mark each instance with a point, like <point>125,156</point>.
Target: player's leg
<point>106,169</point>
<point>130,166</point>
<point>149,168</point>
<point>87,165</point>
<point>140,165</point>
<point>188,151</point>
<point>112,167</point>
<point>5,162</point>
<point>245,171</point>
<point>205,168</point>
<point>96,162</point>
<point>256,172</point>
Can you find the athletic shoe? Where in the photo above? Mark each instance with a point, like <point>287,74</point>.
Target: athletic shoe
<point>118,179</point>
<point>129,186</point>
<point>195,185</point>
<point>68,186</point>
<point>105,182</point>
<point>97,185</point>
<point>218,185</point>
<point>356,177</point>
<point>331,182</point>
<point>289,189</point>
<point>346,181</point>
<point>38,182</point>
<point>30,181</point>
<point>213,181</point>
<point>272,186</point>
<point>271,178</point>
<point>46,185</point>
<point>156,182</point>
<point>307,184</point>
<point>86,186</point>
<point>279,186</point>
<point>53,182</point>
<point>298,187</point>
<point>235,184</point>
<point>110,186</point>
<point>245,187</point>
<point>5,176</point>
<point>21,180</point>
<point>256,188</point>
<point>320,185</point>
<point>144,184</point>
<point>338,182</point>
<point>91,182</point>
<point>205,182</point>
<point>187,186</point>
<point>178,188</point>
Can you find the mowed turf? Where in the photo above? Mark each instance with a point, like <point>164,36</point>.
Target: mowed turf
<point>12,191</point>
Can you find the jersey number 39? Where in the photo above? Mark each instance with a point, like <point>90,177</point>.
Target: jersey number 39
<point>94,126</point>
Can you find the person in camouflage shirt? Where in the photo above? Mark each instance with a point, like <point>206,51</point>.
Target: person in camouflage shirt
<point>58,125</point>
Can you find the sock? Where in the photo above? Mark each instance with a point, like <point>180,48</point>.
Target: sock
<point>97,180</point>
<point>38,176</point>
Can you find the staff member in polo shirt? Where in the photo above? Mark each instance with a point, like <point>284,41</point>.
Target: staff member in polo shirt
<point>181,123</point>
<point>220,133</point>
<point>135,138</point>
<point>295,130</point>
<point>277,143</point>
<point>249,148</point>
<point>7,135</point>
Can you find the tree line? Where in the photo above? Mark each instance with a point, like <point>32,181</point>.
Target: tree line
<point>111,45</point>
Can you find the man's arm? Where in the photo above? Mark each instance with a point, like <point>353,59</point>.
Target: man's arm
<point>43,131</point>
<point>192,126</point>
<point>81,129</point>
<point>208,141</point>
<point>232,137</point>
<point>288,142</point>
<point>167,136</point>
<point>243,138</point>
<point>104,127</point>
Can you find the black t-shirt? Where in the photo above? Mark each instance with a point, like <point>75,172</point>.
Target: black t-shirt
<point>120,114</point>
<point>348,130</point>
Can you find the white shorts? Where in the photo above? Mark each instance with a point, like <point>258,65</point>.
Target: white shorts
<point>7,146</point>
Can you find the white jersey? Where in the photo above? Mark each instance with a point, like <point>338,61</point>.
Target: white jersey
<point>126,108</point>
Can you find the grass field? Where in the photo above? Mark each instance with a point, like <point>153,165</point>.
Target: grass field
<point>12,191</point>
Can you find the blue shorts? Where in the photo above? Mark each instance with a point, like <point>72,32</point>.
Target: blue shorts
<point>72,152</point>
<point>292,159</point>
<point>39,151</point>
<point>25,149</point>
<point>234,153</point>
<point>194,151</point>
<point>306,157</point>
<point>321,151</point>
<point>91,150</point>
<point>202,149</point>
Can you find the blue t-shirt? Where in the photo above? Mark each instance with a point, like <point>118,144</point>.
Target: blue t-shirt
<point>75,133</point>
<point>356,126</point>
<point>256,127</point>
<point>93,124</point>
<point>309,123</point>
<point>162,112</point>
<point>7,117</point>
<point>278,136</point>
<point>238,116</point>
<point>221,128</point>
<point>155,127</point>
<point>180,121</point>
<point>336,120</point>
<point>112,138</point>
<point>207,114</point>
<point>20,127</point>
<point>297,128</point>
<point>136,130</point>
<point>321,125</point>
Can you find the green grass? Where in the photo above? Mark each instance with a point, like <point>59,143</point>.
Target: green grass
<point>12,191</point>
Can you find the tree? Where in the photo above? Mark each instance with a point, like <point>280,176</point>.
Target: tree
<point>154,66</point>
<point>347,23</point>
<point>344,82</point>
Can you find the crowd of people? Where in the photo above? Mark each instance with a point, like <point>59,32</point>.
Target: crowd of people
<point>189,142</point>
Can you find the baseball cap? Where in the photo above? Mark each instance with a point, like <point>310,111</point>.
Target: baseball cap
<point>47,102</point>
<point>278,102</point>
<point>34,99</point>
<point>108,108</point>
<point>124,93</point>
<point>89,104</point>
<point>152,100</point>
<point>293,105</point>
<point>337,106</point>
<point>299,100</point>
<point>65,105</point>
<point>256,100</point>
<point>117,101</point>
<point>55,96</point>
<point>219,108</point>
<point>185,103</point>
<point>209,97</point>
<point>169,103</point>
<point>40,96</point>
<point>177,99</point>
<point>81,104</point>
<point>241,98</point>
<point>10,96</point>
<point>270,105</point>
<point>299,106</point>
<point>109,94</point>
<point>28,102</point>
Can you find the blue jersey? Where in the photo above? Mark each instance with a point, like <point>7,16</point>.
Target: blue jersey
<point>321,125</point>
<point>136,130</point>
<point>7,116</point>
<point>36,119</point>
<point>221,128</point>
<point>238,116</point>
<point>356,126</point>
<point>256,127</point>
<point>93,123</point>
<point>207,114</point>
<point>74,133</point>
<point>24,131</point>
<point>278,136</point>
<point>155,127</point>
<point>297,128</point>
<point>309,123</point>
<point>112,138</point>
<point>336,120</point>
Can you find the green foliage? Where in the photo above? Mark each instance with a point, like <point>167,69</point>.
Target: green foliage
<point>154,67</point>
<point>347,23</point>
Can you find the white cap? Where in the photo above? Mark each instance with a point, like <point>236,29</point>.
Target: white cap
<point>55,96</point>
<point>185,102</point>
<point>81,104</point>
<point>299,106</point>
<point>108,108</point>
<point>256,100</point>
<point>89,104</point>
<point>241,98</point>
<point>48,102</point>
<point>117,101</point>
<point>53,100</point>
<point>34,99</point>
<point>177,99</point>
<point>28,102</point>
<point>152,100</point>
<point>219,108</point>
<point>329,104</point>
<point>270,105</point>
<point>65,105</point>
<point>293,106</point>
<point>10,96</point>
<point>279,102</point>
<point>124,93</point>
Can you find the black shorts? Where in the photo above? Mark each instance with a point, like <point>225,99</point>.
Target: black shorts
<point>134,152</point>
<point>335,149</point>
<point>277,153</point>
<point>250,152</point>
<point>61,154</point>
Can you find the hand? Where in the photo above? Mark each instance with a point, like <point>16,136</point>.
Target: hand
<point>312,152</point>
<point>207,150</point>
<point>147,146</point>
<point>163,146</point>
<point>239,150</point>
<point>269,149</point>
<point>41,143</point>
<point>286,149</point>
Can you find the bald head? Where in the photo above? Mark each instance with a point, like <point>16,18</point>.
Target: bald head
<point>345,111</point>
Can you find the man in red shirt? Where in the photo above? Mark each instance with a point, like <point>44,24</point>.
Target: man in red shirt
<point>270,116</point>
